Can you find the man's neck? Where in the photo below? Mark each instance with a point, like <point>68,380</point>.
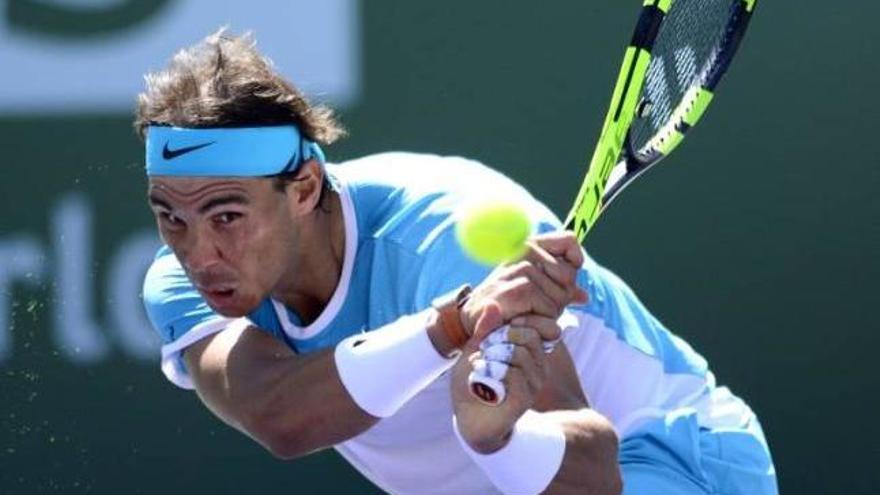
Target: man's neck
<point>316,272</point>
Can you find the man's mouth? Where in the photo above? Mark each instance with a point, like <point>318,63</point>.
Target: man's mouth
<point>221,292</point>
<point>218,295</point>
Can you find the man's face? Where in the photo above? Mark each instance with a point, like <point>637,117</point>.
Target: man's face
<point>234,237</point>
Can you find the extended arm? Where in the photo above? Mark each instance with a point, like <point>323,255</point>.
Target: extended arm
<point>295,404</point>
<point>291,404</point>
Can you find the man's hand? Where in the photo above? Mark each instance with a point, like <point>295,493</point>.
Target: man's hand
<point>542,283</point>
<point>487,428</point>
<point>590,460</point>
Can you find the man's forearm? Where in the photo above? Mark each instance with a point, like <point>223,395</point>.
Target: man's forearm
<point>307,409</point>
<point>291,404</point>
<point>295,404</point>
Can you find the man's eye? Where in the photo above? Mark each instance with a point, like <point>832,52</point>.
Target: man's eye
<point>170,218</point>
<point>227,217</point>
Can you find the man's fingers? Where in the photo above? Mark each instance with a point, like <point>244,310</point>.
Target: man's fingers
<point>521,349</point>
<point>563,244</point>
<point>530,299</point>
<point>530,340</point>
<point>527,338</point>
<point>559,270</point>
<point>547,328</point>
<point>558,293</point>
<point>533,370</point>
<point>543,283</point>
<point>498,345</point>
<point>504,361</point>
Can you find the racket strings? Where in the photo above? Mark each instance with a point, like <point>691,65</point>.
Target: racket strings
<point>686,49</point>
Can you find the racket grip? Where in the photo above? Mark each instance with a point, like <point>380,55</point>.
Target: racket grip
<point>489,390</point>
<point>485,381</point>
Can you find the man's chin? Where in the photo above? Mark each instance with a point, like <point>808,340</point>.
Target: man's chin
<point>230,312</point>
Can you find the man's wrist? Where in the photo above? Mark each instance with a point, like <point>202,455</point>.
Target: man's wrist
<point>445,327</point>
<point>378,356</point>
<point>488,446</point>
<point>536,441</point>
<point>444,346</point>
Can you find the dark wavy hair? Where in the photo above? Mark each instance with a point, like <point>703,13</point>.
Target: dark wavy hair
<point>223,81</point>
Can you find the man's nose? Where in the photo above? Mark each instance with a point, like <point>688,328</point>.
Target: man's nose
<point>202,254</point>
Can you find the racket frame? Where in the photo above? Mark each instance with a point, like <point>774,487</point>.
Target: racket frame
<point>615,164</point>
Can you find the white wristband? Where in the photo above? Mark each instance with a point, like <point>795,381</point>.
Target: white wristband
<point>529,461</point>
<point>384,368</point>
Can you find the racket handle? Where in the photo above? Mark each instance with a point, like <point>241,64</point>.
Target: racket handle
<point>485,381</point>
<point>489,390</point>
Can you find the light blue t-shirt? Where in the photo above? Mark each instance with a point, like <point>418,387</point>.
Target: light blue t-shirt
<point>400,254</point>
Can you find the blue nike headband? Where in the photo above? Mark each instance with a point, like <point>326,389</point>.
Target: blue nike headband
<point>227,151</point>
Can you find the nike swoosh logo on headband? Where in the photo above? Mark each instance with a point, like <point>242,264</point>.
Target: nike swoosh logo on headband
<point>170,154</point>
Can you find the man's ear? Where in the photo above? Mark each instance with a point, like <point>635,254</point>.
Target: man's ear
<point>304,192</point>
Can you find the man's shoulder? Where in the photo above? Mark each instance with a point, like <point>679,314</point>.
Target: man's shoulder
<point>414,173</point>
<point>407,196</point>
<point>405,206</point>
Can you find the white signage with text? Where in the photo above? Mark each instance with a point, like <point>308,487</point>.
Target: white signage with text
<point>54,63</point>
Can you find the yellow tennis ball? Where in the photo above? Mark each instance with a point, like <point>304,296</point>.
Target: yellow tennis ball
<point>494,232</point>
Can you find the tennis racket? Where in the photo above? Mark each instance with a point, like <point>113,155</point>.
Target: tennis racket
<point>671,69</point>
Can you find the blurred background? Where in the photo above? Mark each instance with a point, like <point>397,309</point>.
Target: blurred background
<point>757,241</point>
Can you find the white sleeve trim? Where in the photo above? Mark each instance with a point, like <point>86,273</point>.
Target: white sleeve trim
<point>172,354</point>
<point>333,307</point>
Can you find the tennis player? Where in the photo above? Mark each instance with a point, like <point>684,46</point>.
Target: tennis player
<point>315,305</point>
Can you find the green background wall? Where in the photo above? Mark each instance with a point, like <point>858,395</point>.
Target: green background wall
<point>757,241</point>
